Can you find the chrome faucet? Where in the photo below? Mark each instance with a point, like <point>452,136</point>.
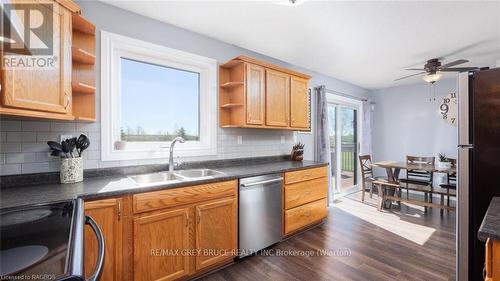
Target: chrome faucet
<point>171,157</point>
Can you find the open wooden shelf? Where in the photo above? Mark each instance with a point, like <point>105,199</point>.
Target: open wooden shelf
<point>82,88</point>
<point>85,119</point>
<point>230,126</point>
<point>231,85</point>
<point>82,25</point>
<point>81,56</point>
<point>231,105</point>
<point>83,74</point>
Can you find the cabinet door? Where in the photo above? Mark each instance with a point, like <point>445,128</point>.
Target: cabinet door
<point>159,240</point>
<point>299,103</point>
<point>107,214</point>
<point>216,234</point>
<point>44,89</point>
<point>255,94</point>
<point>277,98</point>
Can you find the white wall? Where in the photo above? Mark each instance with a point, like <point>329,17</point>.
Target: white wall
<point>23,147</point>
<point>406,123</point>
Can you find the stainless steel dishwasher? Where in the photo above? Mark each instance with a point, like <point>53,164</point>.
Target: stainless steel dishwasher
<point>260,212</point>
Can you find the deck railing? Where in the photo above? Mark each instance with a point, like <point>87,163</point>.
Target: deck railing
<point>347,156</point>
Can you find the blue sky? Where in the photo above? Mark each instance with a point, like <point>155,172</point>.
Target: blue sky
<point>168,98</point>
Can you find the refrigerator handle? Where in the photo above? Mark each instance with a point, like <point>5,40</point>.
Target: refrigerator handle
<point>463,108</point>
<point>462,218</point>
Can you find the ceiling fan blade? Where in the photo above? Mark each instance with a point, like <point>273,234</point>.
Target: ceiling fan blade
<point>408,76</point>
<point>468,47</point>
<point>458,69</point>
<point>415,69</point>
<point>453,63</point>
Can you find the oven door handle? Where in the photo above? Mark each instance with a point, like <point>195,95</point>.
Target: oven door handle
<point>100,246</point>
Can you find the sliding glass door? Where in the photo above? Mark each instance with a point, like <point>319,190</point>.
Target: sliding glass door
<point>344,132</point>
<point>348,148</point>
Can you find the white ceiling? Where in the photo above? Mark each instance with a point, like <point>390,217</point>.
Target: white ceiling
<point>365,43</point>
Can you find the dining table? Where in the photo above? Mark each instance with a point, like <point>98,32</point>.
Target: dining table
<point>393,170</point>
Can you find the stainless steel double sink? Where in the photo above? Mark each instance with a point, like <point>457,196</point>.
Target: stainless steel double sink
<point>180,175</point>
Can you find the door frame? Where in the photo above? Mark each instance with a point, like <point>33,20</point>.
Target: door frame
<point>341,101</point>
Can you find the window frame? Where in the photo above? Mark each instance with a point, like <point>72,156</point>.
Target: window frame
<point>114,47</point>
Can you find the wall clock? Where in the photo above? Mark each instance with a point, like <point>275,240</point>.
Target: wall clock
<point>448,109</point>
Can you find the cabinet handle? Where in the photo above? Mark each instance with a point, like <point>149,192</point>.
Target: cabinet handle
<point>119,210</point>
<point>67,100</point>
<point>198,219</point>
<point>187,219</point>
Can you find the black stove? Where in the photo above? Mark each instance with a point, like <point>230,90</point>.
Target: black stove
<point>44,242</point>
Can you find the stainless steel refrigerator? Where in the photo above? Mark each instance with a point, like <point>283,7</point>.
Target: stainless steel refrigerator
<point>478,164</point>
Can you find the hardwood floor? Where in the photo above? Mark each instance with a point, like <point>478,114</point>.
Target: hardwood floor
<point>399,244</point>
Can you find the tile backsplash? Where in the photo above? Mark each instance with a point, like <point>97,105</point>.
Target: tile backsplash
<point>24,150</point>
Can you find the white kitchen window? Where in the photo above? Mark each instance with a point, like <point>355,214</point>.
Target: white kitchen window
<point>151,94</point>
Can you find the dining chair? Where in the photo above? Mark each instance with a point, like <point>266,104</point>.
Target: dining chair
<point>367,177</point>
<point>419,177</point>
<point>451,183</point>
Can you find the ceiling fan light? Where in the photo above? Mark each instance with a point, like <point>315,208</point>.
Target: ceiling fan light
<point>432,78</point>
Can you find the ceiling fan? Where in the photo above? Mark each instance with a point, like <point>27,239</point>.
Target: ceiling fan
<point>433,68</point>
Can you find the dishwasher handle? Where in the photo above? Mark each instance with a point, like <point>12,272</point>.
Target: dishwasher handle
<point>261,182</point>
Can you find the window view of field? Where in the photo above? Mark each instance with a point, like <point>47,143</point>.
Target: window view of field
<point>168,100</point>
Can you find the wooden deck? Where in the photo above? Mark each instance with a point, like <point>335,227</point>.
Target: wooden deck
<point>397,244</point>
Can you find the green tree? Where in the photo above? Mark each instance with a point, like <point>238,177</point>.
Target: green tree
<point>182,133</point>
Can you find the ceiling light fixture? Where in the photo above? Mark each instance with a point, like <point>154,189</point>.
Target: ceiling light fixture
<point>432,77</point>
<point>290,3</point>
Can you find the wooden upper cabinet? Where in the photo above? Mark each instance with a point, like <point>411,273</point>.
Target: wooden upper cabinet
<point>277,98</point>
<point>107,214</point>
<point>153,236</point>
<point>255,94</point>
<point>216,234</point>
<point>299,103</point>
<point>46,90</point>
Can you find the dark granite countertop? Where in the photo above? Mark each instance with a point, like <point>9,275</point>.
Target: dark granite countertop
<point>490,228</point>
<point>101,187</point>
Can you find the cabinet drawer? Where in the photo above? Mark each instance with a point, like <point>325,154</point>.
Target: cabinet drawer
<point>303,175</point>
<point>304,192</point>
<point>304,215</point>
<point>184,195</point>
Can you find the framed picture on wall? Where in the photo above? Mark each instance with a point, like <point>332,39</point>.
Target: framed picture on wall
<point>309,91</point>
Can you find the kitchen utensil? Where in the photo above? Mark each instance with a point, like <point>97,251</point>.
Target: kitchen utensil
<point>54,145</point>
<point>65,147</point>
<point>297,153</point>
<point>82,143</point>
<point>72,145</point>
<point>58,153</point>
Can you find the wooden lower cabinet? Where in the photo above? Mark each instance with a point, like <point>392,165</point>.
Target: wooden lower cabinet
<point>159,241</point>
<point>304,202</point>
<point>107,214</point>
<point>300,217</point>
<point>216,234</point>
<point>183,240</point>
<point>492,260</point>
